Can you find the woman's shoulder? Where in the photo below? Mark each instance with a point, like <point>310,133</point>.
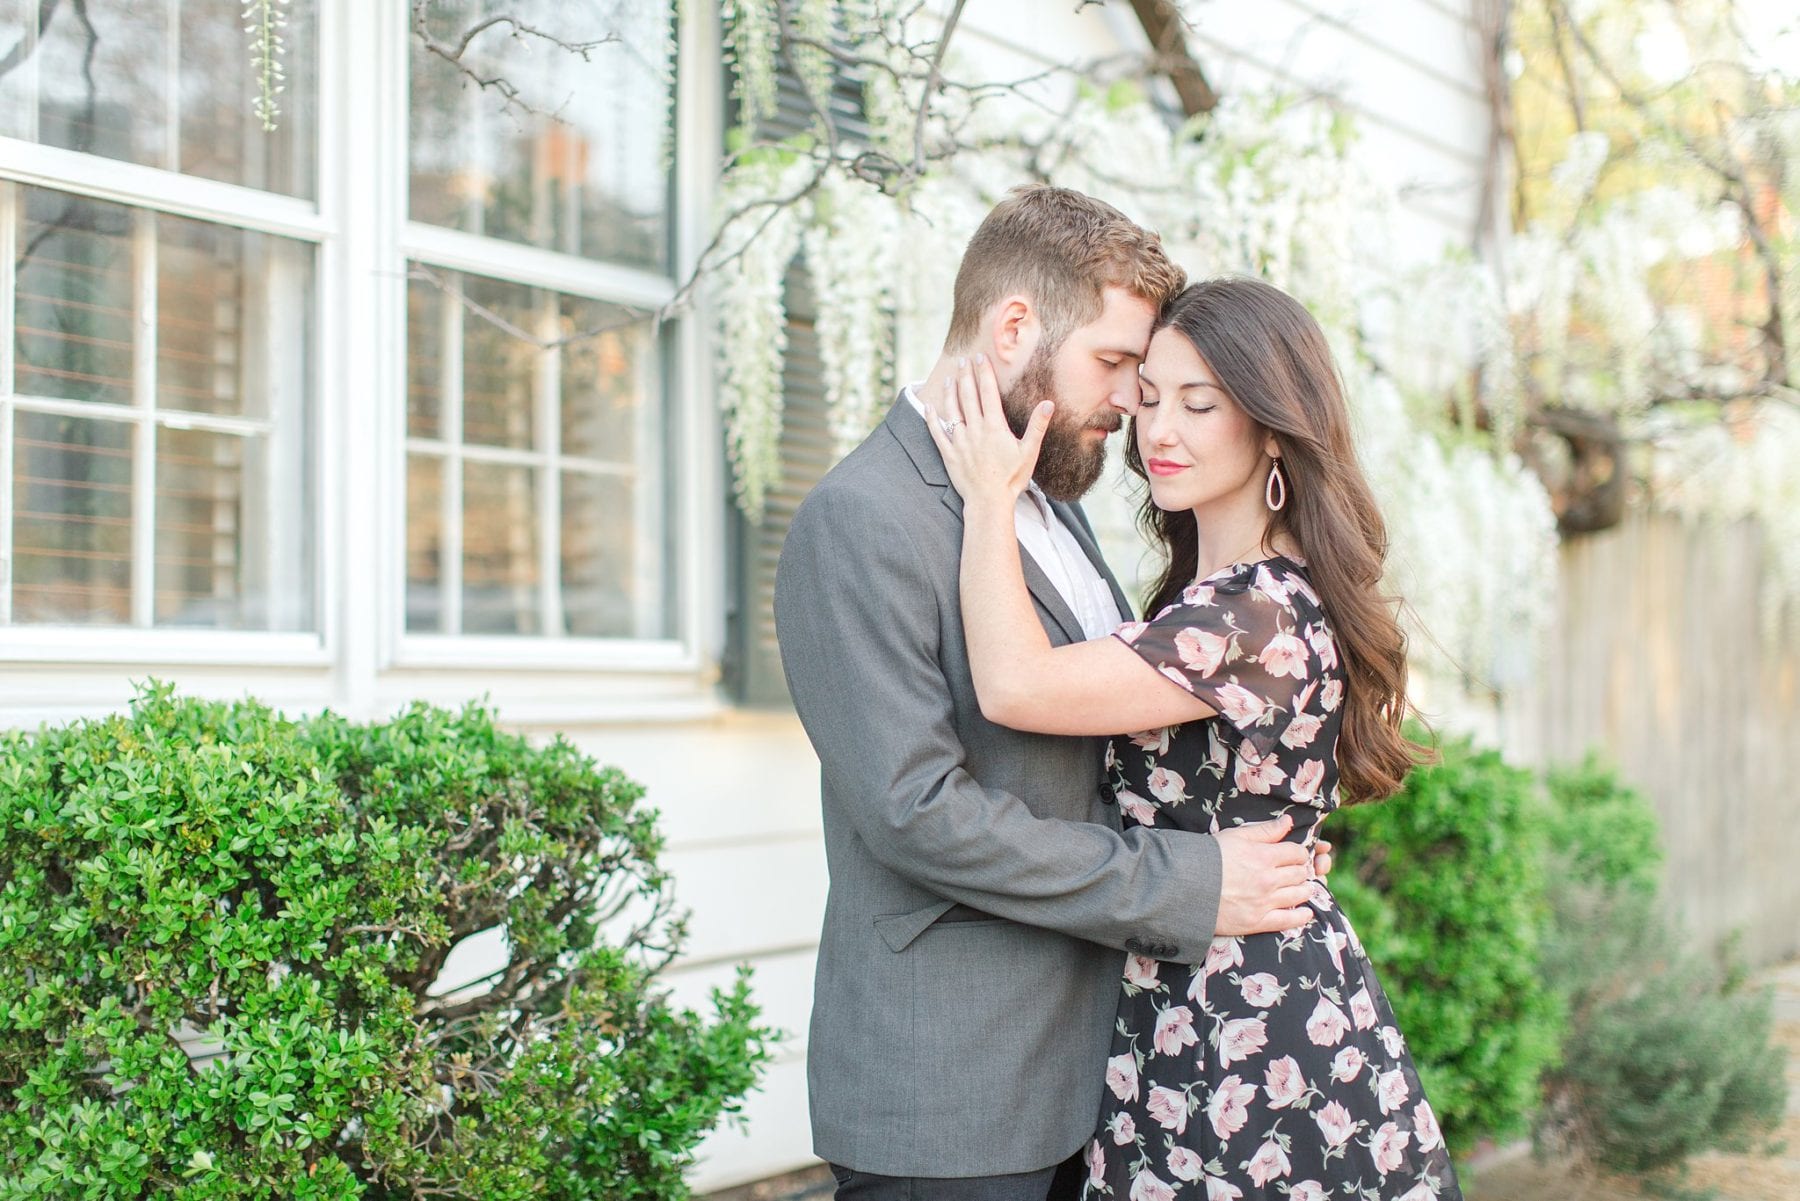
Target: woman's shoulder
<point>1280,581</point>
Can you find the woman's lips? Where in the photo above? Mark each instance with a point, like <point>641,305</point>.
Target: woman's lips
<point>1164,467</point>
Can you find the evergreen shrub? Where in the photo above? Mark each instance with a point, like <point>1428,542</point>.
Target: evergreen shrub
<point>1445,886</point>
<point>219,934</point>
<point>1668,1053</point>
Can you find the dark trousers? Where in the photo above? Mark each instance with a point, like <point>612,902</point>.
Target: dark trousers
<point>1059,1182</point>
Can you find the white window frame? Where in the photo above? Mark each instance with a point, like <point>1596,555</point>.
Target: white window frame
<point>151,189</point>
<point>364,241</point>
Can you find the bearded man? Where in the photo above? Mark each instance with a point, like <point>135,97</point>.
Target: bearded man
<point>983,896</point>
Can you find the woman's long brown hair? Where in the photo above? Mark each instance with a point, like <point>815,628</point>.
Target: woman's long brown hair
<point>1273,360</point>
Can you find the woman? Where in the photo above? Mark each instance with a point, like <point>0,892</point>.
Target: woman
<point>1274,1069</point>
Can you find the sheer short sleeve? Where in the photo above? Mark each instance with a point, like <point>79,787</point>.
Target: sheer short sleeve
<point>1239,643</point>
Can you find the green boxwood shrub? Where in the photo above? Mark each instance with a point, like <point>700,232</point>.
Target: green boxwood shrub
<point>1445,885</point>
<point>191,878</point>
<point>1667,1053</point>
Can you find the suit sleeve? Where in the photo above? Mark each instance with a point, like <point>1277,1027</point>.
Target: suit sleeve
<point>860,631</point>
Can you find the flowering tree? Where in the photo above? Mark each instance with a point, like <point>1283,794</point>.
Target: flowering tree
<point>1652,285</point>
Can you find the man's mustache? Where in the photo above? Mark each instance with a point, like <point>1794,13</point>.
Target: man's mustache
<point>1109,422</point>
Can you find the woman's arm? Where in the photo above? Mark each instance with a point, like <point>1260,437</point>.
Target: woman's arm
<point>1097,687</point>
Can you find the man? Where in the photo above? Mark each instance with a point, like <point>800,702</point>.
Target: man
<point>982,892</point>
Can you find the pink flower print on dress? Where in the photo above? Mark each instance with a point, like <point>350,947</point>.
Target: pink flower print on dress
<point>1167,787</point>
<point>1096,1162</point>
<point>1169,1107</point>
<point>1197,594</point>
<point>1240,1039</point>
<point>1229,1107</point>
<point>1124,1130</point>
<point>1285,655</point>
<point>1131,631</point>
<point>1135,807</point>
<point>1388,1146</point>
<point>1122,1076</point>
<point>1327,1024</point>
<point>1262,990</point>
<point>1141,971</point>
<point>1297,583</point>
<point>1301,731</point>
<point>1220,1189</point>
<point>1239,705</point>
<point>1307,781</point>
<point>1320,639</point>
<point>1201,650</point>
<point>1391,1090</point>
<point>1146,1186</point>
<point>1174,1030</point>
<point>1393,1040</point>
<point>1335,941</point>
<point>1174,673</point>
<point>1335,1124</point>
<point>1362,1008</point>
<point>1269,586</point>
<point>1425,1126</point>
<point>1418,1192</point>
<point>1331,695</point>
<point>1307,1190</point>
<point>1269,1162</point>
<point>1154,741</point>
<point>1346,1065</point>
<point>1226,951</point>
<point>1184,1164</point>
<point>1256,775</point>
<point>1282,1082</point>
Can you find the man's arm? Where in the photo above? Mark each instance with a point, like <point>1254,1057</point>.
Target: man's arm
<point>859,630</point>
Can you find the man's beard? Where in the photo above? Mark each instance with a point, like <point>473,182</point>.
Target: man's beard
<point>1070,461</point>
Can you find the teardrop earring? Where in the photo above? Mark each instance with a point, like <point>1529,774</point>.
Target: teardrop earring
<point>1275,491</point>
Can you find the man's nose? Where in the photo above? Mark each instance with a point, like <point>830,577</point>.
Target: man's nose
<point>1126,398</point>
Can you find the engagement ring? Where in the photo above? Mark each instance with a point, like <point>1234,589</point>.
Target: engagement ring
<point>949,427</point>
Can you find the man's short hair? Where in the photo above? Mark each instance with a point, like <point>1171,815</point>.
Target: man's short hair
<point>1061,249</point>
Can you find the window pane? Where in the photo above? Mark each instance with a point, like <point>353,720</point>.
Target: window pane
<point>425,544</point>
<point>426,307</point>
<point>204,333</point>
<point>501,577</point>
<point>75,298</point>
<point>71,501</point>
<point>229,555</point>
<point>548,515</point>
<point>169,84</point>
<point>232,308</point>
<point>579,160</point>
<point>500,369</point>
<point>609,402</point>
<point>611,559</point>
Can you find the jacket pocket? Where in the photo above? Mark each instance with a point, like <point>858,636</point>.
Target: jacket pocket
<point>898,930</point>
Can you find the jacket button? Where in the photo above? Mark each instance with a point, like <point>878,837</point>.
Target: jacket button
<point>1167,951</point>
<point>1132,944</point>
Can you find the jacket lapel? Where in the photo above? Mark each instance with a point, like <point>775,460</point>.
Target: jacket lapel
<point>908,429</point>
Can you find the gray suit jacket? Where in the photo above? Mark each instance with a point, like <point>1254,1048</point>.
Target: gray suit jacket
<point>981,891</point>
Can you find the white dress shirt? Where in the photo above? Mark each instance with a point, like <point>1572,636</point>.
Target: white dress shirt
<point>1054,549</point>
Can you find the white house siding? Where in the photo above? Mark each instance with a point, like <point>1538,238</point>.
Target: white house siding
<point>738,790</point>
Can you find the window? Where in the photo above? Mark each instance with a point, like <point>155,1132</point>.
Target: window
<point>537,489</point>
<point>156,450</point>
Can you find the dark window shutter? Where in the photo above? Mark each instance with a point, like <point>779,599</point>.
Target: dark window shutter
<point>752,658</point>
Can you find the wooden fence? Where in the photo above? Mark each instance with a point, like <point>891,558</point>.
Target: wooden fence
<point>1663,658</point>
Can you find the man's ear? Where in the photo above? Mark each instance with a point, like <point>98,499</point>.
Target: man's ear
<point>1015,331</point>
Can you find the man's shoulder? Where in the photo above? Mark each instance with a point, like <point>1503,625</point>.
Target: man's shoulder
<point>873,478</point>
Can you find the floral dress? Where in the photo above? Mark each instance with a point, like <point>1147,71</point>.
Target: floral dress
<point>1273,1069</point>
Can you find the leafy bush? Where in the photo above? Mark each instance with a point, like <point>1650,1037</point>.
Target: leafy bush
<point>1445,886</point>
<point>193,876</point>
<point>1667,1053</point>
